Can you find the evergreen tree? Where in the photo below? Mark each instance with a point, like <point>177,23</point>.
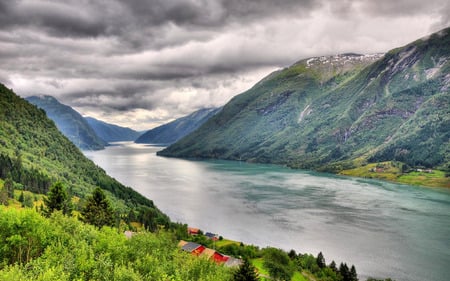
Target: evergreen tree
<point>97,210</point>
<point>21,198</point>
<point>321,260</point>
<point>4,197</point>
<point>9,187</point>
<point>292,254</point>
<point>333,266</point>
<point>245,272</point>
<point>57,200</point>
<point>344,271</point>
<point>353,275</point>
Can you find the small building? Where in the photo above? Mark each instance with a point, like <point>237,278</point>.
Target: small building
<point>211,236</point>
<point>191,247</point>
<point>233,262</point>
<point>210,254</point>
<point>193,231</point>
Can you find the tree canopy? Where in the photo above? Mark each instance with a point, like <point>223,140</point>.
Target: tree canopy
<point>97,210</point>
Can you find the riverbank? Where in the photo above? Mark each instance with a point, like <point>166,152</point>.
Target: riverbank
<point>392,172</point>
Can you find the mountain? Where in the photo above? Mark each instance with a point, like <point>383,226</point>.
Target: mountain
<point>110,132</point>
<point>35,154</point>
<point>339,112</point>
<point>69,122</point>
<point>175,130</point>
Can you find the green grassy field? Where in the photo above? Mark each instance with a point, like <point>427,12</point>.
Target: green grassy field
<point>258,263</point>
<point>390,171</point>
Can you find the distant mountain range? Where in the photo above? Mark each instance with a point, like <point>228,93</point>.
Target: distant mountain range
<point>339,112</point>
<point>69,122</point>
<point>112,133</point>
<point>173,131</point>
<point>86,133</point>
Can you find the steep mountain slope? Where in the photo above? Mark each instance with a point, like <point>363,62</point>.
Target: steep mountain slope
<point>35,154</point>
<point>69,122</point>
<point>110,132</point>
<point>333,113</point>
<point>175,130</point>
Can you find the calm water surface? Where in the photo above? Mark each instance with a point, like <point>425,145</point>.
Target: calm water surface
<point>385,229</point>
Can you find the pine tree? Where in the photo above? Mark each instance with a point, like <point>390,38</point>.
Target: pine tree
<point>9,187</point>
<point>57,200</point>
<point>21,198</point>
<point>333,266</point>
<point>321,260</point>
<point>97,210</point>
<point>245,272</point>
<point>345,273</point>
<point>353,275</point>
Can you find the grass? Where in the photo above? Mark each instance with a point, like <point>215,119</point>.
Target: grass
<point>226,242</point>
<point>298,277</point>
<point>263,273</point>
<point>259,264</point>
<point>390,171</point>
<point>434,179</point>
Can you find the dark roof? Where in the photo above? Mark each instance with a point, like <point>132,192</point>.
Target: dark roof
<point>210,235</point>
<point>190,246</point>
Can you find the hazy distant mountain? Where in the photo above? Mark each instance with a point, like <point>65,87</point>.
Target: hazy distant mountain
<point>69,122</point>
<point>173,131</point>
<point>338,112</point>
<point>110,132</point>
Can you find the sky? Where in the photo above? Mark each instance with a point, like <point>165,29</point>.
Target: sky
<point>142,63</point>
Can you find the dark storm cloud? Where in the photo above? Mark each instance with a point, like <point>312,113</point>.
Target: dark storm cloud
<point>175,56</point>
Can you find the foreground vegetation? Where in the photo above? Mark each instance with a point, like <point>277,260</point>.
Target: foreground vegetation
<point>63,248</point>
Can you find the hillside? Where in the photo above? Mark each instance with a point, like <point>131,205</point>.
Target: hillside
<point>110,132</point>
<point>339,112</point>
<point>35,154</point>
<point>69,122</point>
<point>175,130</point>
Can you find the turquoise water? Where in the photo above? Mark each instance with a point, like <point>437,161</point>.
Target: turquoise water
<point>385,229</point>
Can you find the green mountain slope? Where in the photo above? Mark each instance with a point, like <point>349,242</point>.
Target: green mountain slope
<point>110,132</point>
<point>334,113</point>
<point>69,122</point>
<point>175,130</point>
<point>35,154</point>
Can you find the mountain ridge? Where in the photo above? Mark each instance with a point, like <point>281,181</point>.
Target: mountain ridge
<point>171,132</point>
<point>111,132</point>
<point>69,122</point>
<point>340,119</point>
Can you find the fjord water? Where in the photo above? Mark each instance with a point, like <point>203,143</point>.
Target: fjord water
<point>385,229</point>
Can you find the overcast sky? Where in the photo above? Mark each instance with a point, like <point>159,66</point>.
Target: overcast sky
<point>141,63</point>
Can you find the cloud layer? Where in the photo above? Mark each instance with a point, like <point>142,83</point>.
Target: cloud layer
<point>140,63</point>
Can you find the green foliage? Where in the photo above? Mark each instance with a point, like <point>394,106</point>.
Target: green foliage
<point>57,200</point>
<point>278,263</point>
<point>24,235</point>
<point>63,248</point>
<point>245,272</point>
<point>9,187</point>
<point>97,210</point>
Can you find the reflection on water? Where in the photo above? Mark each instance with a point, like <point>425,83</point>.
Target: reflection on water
<point>385,229</point>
